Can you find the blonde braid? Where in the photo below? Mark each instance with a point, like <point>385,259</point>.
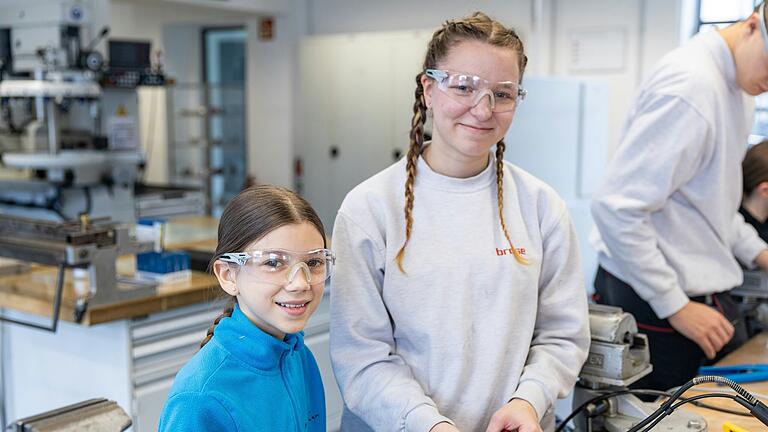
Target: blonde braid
<point>500,192</point>
<point>228,310</point>
<point>417,139</point>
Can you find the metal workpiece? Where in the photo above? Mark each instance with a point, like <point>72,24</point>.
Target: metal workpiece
<point>616,365</point>
<point>611,324</point>
<point>92,415</point>
<point>618,355</point>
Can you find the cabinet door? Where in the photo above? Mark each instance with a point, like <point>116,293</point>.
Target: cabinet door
<point>363,113</point>
<point>408,52</point>
<point>148,405</point>
<point>316,134</point>
<point>161,344</point>
<point>357,98</point>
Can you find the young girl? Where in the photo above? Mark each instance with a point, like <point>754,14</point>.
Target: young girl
<point>440,322</point>
<point>254,372</point>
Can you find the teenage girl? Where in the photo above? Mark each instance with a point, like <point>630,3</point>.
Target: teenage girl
<point>458,302</point>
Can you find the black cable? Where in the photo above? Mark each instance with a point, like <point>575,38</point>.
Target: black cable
<point>691,400</point>
<point>743,398</point>
<point>721,409</point>
<point>757,408</point>
<point>605,396</point>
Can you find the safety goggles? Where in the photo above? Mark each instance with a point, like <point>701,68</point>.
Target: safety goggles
<point>763,32</point>
<point>469,90</point>
<point>279,267</point>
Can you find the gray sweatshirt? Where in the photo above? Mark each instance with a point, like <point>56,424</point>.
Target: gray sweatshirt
<point>467,328</point>
<point>667,211</point>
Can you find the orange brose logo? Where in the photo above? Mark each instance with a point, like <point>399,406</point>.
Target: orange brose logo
<point>508,251</point>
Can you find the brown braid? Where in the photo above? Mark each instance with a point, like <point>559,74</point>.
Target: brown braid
<point>417,139</point>
<point>500,193</point>
<point>227,312</point>
<point>478,27</point>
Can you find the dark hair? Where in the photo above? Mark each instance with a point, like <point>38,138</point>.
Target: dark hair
<point>251,215</point>
<point>478,27</point>
<point>755,167</point>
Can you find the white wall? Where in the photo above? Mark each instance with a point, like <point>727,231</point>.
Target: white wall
<point>651,28</point>
<point>174,27</point>
<point>349,16</point>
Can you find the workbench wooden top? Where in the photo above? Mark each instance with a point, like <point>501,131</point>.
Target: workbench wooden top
<point>32,290</point>
<point>754,351</point>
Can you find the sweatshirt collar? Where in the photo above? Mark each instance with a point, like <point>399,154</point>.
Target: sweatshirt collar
<point>427,177</point>
<point>251,345</point>
<point>722,56</point>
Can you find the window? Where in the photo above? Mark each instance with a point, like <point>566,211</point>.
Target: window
<point>718,14</point>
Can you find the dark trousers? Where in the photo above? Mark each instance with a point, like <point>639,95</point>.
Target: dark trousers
<point>675,358</point>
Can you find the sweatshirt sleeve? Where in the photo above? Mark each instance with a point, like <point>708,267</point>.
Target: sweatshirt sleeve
<point>191,411</point>
<point>663,148</point>
<point>561,335</point>
<point>746,244</point>
<point>376,384</point>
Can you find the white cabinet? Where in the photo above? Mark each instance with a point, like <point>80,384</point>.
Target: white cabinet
<point>316,337</point>
<point>357,94</point>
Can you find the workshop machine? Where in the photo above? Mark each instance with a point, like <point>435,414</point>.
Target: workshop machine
<point>90,248</point>
<point>618,357</point>
<point>69,136</point>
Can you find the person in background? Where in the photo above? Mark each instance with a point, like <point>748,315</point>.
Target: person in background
<point>668,231</point>
<point>754,209</point>
<point>253,372</point>
<point>439,322</point>
<point>754,202</point>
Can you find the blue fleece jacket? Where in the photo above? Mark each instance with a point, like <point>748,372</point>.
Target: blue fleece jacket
<point>246,380</point>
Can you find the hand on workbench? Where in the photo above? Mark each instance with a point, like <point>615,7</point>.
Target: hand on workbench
<point>703,325</point>
<point>444,427</point>
<point>517,415</point>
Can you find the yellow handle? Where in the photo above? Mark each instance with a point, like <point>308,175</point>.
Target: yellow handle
<point>730,427</point>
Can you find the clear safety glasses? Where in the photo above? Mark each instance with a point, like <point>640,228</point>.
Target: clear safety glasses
<point>469,90</point>
<point>279,267</point>
<point>763,32</point>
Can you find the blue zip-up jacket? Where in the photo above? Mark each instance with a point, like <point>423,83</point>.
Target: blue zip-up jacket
<point>244,379</point>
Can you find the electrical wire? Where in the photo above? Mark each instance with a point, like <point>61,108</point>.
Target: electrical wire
<point>605,396</point>
<point>693,400</point>
<point>723,393</point>
<point>722,390</point>
<point>717,408</point>
<point>755,407</point>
